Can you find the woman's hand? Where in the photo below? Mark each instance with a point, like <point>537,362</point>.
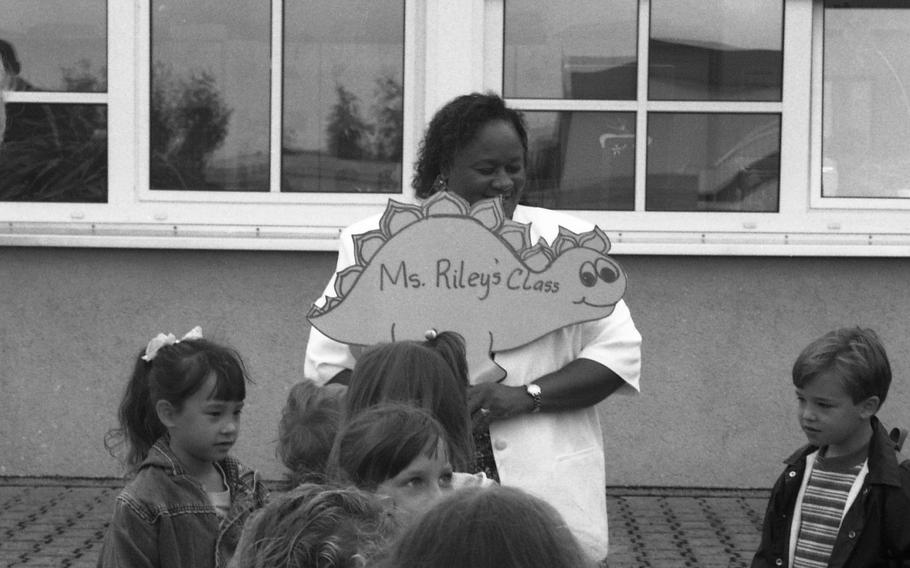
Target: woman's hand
<point>488,402</point>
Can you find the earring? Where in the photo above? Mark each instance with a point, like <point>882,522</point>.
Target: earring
<point>439,184</point>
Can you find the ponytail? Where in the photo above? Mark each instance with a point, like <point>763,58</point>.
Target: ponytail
<point>139,423</point>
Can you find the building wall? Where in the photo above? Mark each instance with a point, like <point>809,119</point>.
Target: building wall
<point>720,334</point>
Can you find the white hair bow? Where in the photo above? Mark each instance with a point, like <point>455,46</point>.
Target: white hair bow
<point>161,340</point>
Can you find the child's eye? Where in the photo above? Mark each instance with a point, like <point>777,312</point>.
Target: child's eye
<point>415,482</point>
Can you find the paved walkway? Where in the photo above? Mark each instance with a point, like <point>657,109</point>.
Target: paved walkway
<point>60,523</point>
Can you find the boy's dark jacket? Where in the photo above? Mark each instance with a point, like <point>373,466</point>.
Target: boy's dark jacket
<point>163,517</point>
<point>876,530</point>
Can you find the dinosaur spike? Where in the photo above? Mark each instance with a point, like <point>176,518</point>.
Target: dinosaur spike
<point>399,215</point>
<point>596,240</point>
<point>538,257</point>
<point>565,240</point>
<point>366,245</point>
<point>345,280</point>
<point>445,203</point>
<point>489,212</point>
<point>517,235</point>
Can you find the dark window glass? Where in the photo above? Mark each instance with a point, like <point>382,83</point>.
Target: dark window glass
<point>713,162</point>
<point>342,121</point>
<point>716,50</point>
<point>210,89</point>
<point>565,49</point>
<point>54,153</point>
<point>581,160</point>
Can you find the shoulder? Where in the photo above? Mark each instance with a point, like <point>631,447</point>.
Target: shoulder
<point>548,218</point>
<point>145,495</point>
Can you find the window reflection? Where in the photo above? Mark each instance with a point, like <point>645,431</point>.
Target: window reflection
<point>54,153</point>
<point>210,92</point>
<point>713,162</point>
<point>866,105</point>
<point>343,85</point>
<point>581,160</point>
<point>716,50</point>
<point>54,45</point>
<point>564,49</point>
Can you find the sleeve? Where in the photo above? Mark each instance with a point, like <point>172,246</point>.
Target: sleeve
<point>326,357</point>
<point>130,540</point>
<point>615,343</point>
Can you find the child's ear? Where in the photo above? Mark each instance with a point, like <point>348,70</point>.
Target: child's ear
<point>165,411</point>
<point>869,407</point>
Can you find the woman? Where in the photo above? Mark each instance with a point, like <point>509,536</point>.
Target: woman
<point>538,429</point>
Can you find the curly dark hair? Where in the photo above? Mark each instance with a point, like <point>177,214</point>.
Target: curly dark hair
<point>453,127</point>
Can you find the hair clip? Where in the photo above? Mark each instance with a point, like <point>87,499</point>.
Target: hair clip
<point>161,340</point>
<point>430,334</point>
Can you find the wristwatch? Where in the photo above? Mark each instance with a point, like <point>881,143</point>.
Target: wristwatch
<point>534,392</point>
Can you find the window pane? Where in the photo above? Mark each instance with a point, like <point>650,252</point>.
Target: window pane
<point>866,106</point>
<point>713,162</point>
<point>716,50</point>
<point>565,49</point>
<point>343,83</point>
<point>54,153</point>
<point>54,45</point>
<point>581,160</point>
<point>210,95</point>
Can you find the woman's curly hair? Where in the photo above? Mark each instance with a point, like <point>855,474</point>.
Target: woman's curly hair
<point>453,127</point>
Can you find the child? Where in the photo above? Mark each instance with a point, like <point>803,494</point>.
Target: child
<point>431,374</point>
<point>500,527</point>
<point>179,417</point>
<point>843,500</point>
<point>309,422</point>
<point>398,451</point>
<point>316,525</point>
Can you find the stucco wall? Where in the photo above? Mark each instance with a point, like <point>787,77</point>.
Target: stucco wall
<point>716,409</point>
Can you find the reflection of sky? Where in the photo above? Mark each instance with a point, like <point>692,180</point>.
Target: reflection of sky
<point>53,34</point>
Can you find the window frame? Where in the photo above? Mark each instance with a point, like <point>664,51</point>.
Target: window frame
<point>136,217</point>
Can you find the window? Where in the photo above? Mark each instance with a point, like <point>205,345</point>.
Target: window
<point>866,102</point>
<point>54,70</point>
<point>709,67</point>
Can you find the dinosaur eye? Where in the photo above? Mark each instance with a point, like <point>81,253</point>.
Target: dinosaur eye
<point>606,270</point>
<point>588,274</point>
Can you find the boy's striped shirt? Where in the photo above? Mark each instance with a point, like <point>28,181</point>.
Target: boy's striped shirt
<point>823,507</point>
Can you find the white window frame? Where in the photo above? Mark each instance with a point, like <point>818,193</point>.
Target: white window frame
<point>452,48</point>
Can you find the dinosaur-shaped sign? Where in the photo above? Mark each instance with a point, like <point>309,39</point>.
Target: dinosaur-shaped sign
<point>449,266</point>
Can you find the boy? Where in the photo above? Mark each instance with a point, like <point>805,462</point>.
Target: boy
<point>843,500</point>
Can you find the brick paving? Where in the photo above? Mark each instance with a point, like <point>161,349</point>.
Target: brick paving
<point>61,522</point>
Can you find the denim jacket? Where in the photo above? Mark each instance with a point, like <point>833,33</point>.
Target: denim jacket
<point>163,517</point>
<point>875,531</point>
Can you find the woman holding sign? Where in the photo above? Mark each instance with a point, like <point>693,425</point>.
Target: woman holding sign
<point>537,429</point>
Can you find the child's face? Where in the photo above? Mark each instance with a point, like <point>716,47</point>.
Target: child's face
<point>204,430</point>
<point>420,485</point>
<point>829,417</point>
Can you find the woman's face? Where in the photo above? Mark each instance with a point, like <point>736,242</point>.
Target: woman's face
<point>420,485</point>
<point>493,164</point>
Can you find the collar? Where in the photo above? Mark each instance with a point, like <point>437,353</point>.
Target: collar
<point>883,467</point>
<point>161,456</point>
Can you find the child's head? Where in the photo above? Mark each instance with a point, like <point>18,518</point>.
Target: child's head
<point>841,379</point>
<point>430,374</point>
<point>307,430</point>
<point>495,527</point>
<point>396,450</point>
<point>316,525</point>
<point>190,388</point>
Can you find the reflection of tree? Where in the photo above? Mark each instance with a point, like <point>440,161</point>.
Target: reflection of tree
<point>388,116</point>
<point>57,152</point>
<point>189,121</point>
<point>346,129</point>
